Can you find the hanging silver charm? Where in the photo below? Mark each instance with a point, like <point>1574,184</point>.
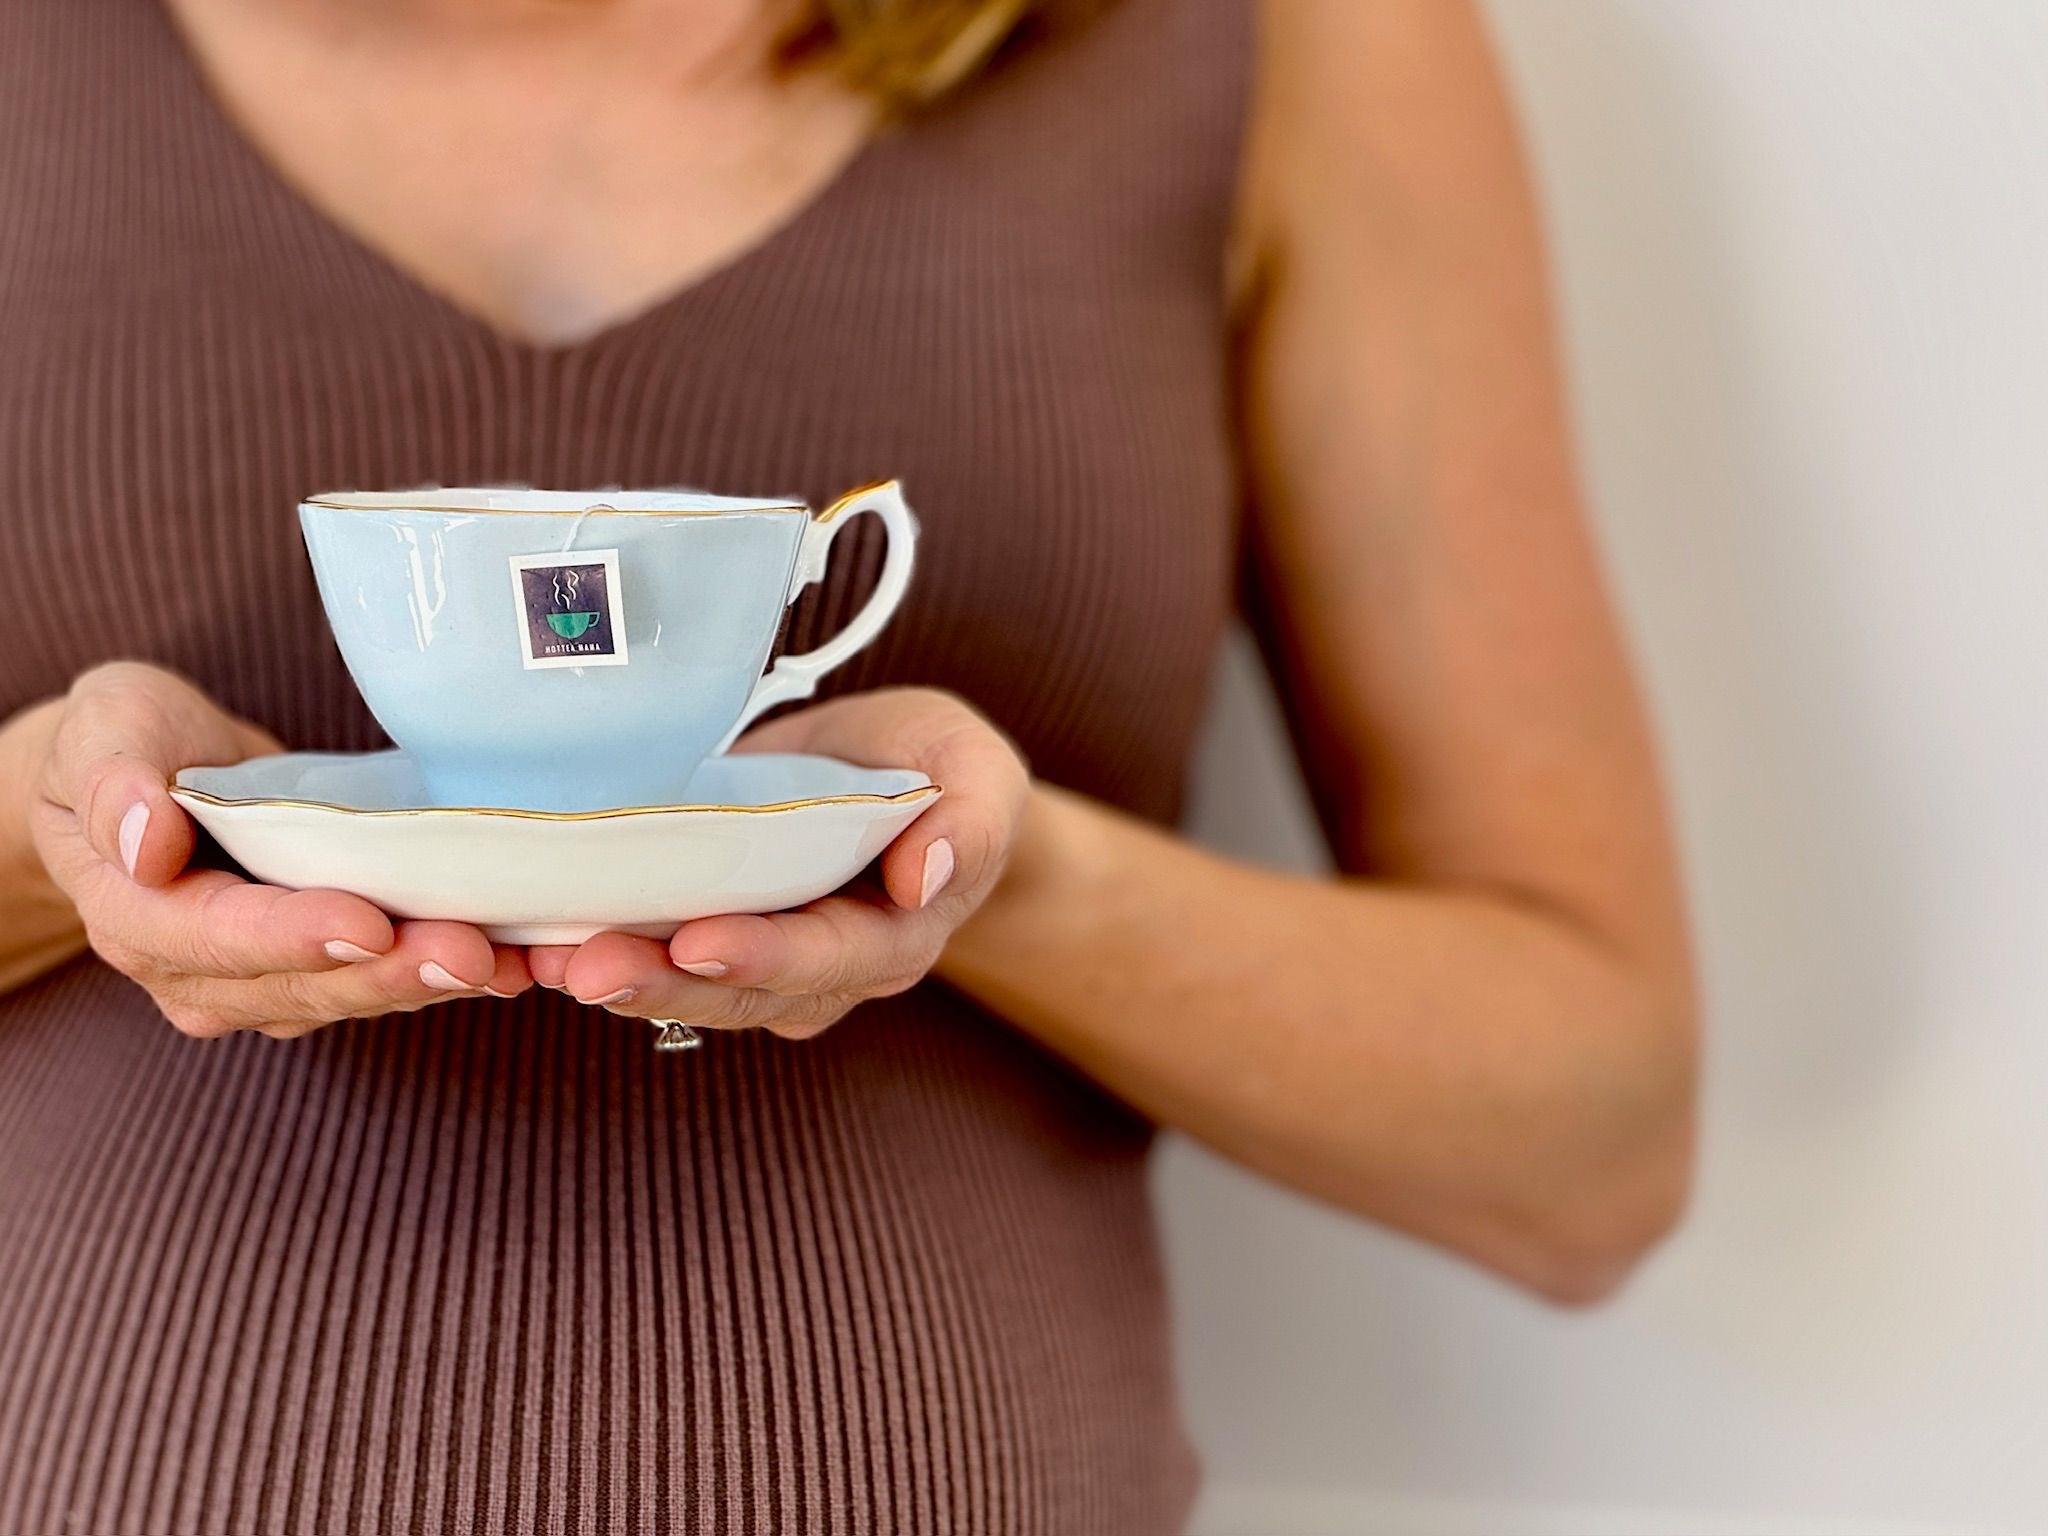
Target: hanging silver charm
<point>675,1035</point>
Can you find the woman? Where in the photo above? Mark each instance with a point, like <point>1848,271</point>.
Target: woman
<point>465,1255</point>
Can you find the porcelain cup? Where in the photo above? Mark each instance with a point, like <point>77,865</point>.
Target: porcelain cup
<point>580,650</point>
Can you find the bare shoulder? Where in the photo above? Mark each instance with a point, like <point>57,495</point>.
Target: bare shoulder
<point>1375,123</point>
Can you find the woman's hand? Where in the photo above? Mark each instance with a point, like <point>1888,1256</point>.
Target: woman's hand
<point>795,973</point>
<point>217,953</point>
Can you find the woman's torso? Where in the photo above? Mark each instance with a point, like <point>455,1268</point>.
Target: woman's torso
<point>496,1266</point>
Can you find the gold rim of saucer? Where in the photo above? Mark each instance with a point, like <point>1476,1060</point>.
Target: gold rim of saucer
<point>206,797</point>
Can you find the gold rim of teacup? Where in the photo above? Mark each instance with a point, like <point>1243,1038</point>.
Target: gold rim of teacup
<point>839,504</point>
<point>343,501</point>
<point>234,802</point>
<point>332,502</point>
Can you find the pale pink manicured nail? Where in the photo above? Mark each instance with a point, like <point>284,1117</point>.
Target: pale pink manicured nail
<point>353,954</point>
<point>938,869</point>
<point>441,979</point>
<point>134,822</point>
<point>710,970</point>
<point>496,993</point>
<point>624,994</point>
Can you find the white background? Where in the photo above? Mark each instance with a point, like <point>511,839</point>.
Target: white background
<point>1803,248</point>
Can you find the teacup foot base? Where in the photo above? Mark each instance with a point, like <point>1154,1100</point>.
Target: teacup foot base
<point>570,933</point>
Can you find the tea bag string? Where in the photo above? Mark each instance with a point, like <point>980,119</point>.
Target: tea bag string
<point>576,525</point>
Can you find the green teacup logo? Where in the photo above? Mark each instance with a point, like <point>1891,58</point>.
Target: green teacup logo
<point>569,609</point>
<point>570,618</point>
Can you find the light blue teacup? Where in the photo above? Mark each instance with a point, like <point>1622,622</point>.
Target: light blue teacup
<point>579,650</point>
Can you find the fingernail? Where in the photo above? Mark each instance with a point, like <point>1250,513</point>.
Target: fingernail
<point>496,993</point>
<point>938,869</point>
<point>441,979</point>
<point>624,994</point>
<point>134,822</point>
<point>710,970</point>
<point>353,954</point>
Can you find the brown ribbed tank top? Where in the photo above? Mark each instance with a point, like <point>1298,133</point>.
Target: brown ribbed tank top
<point>496,1266</point>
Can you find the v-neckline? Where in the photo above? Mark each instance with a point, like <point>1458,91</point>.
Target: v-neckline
<point>306,211</point>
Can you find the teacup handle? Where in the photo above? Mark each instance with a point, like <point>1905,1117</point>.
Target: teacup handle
<point>796,677</point>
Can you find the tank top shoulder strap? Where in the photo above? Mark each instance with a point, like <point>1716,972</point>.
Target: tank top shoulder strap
<point>1122,129</point>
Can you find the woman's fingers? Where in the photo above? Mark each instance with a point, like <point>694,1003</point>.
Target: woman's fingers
<point>127,730</point>
<point>211,923</point>
<point>129,819</point>
<point>217,952</point>
<point>956,852</point>
<point>510,974</point>
<point>236,928</point>
<point>430,962</point>
<point>450,957</point>
<point>884,727</point>
<point>956,848</point>
<point>920,728</point>
<point>794,972</point>
<point>841,944</point>
<point>837,944</point>
<point>550,962</point>
<point>632,976</point>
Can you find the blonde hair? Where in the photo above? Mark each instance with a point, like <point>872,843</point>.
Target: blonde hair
<point>908,52</point>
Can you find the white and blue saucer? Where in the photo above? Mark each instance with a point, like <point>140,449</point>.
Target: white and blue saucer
<point>756,832</point>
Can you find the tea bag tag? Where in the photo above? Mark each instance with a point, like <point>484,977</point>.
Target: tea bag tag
<point>570,609</point>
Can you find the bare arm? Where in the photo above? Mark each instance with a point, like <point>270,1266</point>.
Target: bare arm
<point>39,928</point>
<point>1483,1035</point>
